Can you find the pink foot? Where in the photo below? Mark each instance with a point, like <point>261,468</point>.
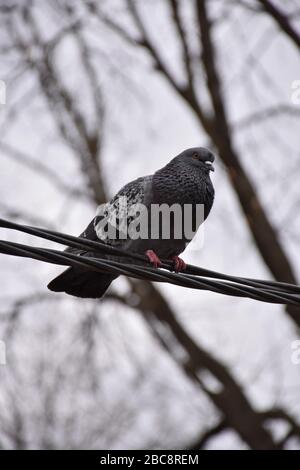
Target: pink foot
<point>153,258</point>
<point>179,264</point>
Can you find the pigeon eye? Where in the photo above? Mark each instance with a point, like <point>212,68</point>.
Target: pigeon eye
<point>195,156</point>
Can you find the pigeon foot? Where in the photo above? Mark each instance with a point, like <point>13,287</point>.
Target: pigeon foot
<point>153,258</point>
<point>179,264</point>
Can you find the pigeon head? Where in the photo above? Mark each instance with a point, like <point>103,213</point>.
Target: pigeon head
<point>198,157</point>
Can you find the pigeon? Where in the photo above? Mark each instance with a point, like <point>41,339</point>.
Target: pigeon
<point>185,180</point>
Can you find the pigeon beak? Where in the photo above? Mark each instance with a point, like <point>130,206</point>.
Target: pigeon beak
<point>210,165</point>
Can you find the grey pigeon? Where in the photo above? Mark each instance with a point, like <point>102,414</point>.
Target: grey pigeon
<point>184,180</point>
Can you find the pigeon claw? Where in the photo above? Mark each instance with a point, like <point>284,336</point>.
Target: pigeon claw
<point>153,258</point>
<point>179,264</point>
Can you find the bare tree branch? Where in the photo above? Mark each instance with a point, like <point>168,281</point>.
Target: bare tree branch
<point>264,234</point>
<point>230,400</point>
<point>282,21</point>
<point>14,214</point>
<point>184,42</point>
<point>68,118</point>
<point>258,117</point>
<point>280,414</point>
<point>40,168</point>
<point>207,435</point>
<point>186,92</point>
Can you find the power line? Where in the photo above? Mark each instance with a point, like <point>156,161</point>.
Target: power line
<point>193,277</point>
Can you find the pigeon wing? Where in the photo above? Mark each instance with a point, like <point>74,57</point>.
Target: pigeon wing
<point>116,214</point>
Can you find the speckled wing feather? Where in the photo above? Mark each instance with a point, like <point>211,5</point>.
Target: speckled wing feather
<point>117,212</point>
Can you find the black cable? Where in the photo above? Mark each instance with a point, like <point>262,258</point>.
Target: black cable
<point>193,277</point>
<point>151,274</point>
<point>101,247</point>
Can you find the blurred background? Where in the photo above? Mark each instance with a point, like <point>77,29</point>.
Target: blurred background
<point>93,95</point>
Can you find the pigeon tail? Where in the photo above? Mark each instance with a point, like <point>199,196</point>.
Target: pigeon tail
<point>79,283</point>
